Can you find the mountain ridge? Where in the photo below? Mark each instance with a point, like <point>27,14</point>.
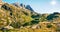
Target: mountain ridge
<point>23,6</point>
<point>14,18</point>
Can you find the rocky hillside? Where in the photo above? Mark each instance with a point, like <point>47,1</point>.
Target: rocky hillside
<point>11,15</point>
<point>17,19</point>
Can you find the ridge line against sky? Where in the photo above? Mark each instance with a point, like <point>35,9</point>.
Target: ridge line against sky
<point>40,6</point>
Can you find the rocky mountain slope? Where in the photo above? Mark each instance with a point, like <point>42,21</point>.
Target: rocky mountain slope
<point>19,19</point>
<point>10,14</point>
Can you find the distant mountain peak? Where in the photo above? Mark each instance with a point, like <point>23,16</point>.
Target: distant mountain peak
<point>29,7</point>
<point>23,6</point>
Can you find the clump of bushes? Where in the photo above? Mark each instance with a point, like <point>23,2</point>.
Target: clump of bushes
<point>31,23</point>
<point>49,26</point>
<point>6,7</point>
<point>35,16</point>
<point>34,22</point>
<point>52,16</point>
<point>15,24</point>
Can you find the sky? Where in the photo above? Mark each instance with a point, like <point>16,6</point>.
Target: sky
<point>40,6</point>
